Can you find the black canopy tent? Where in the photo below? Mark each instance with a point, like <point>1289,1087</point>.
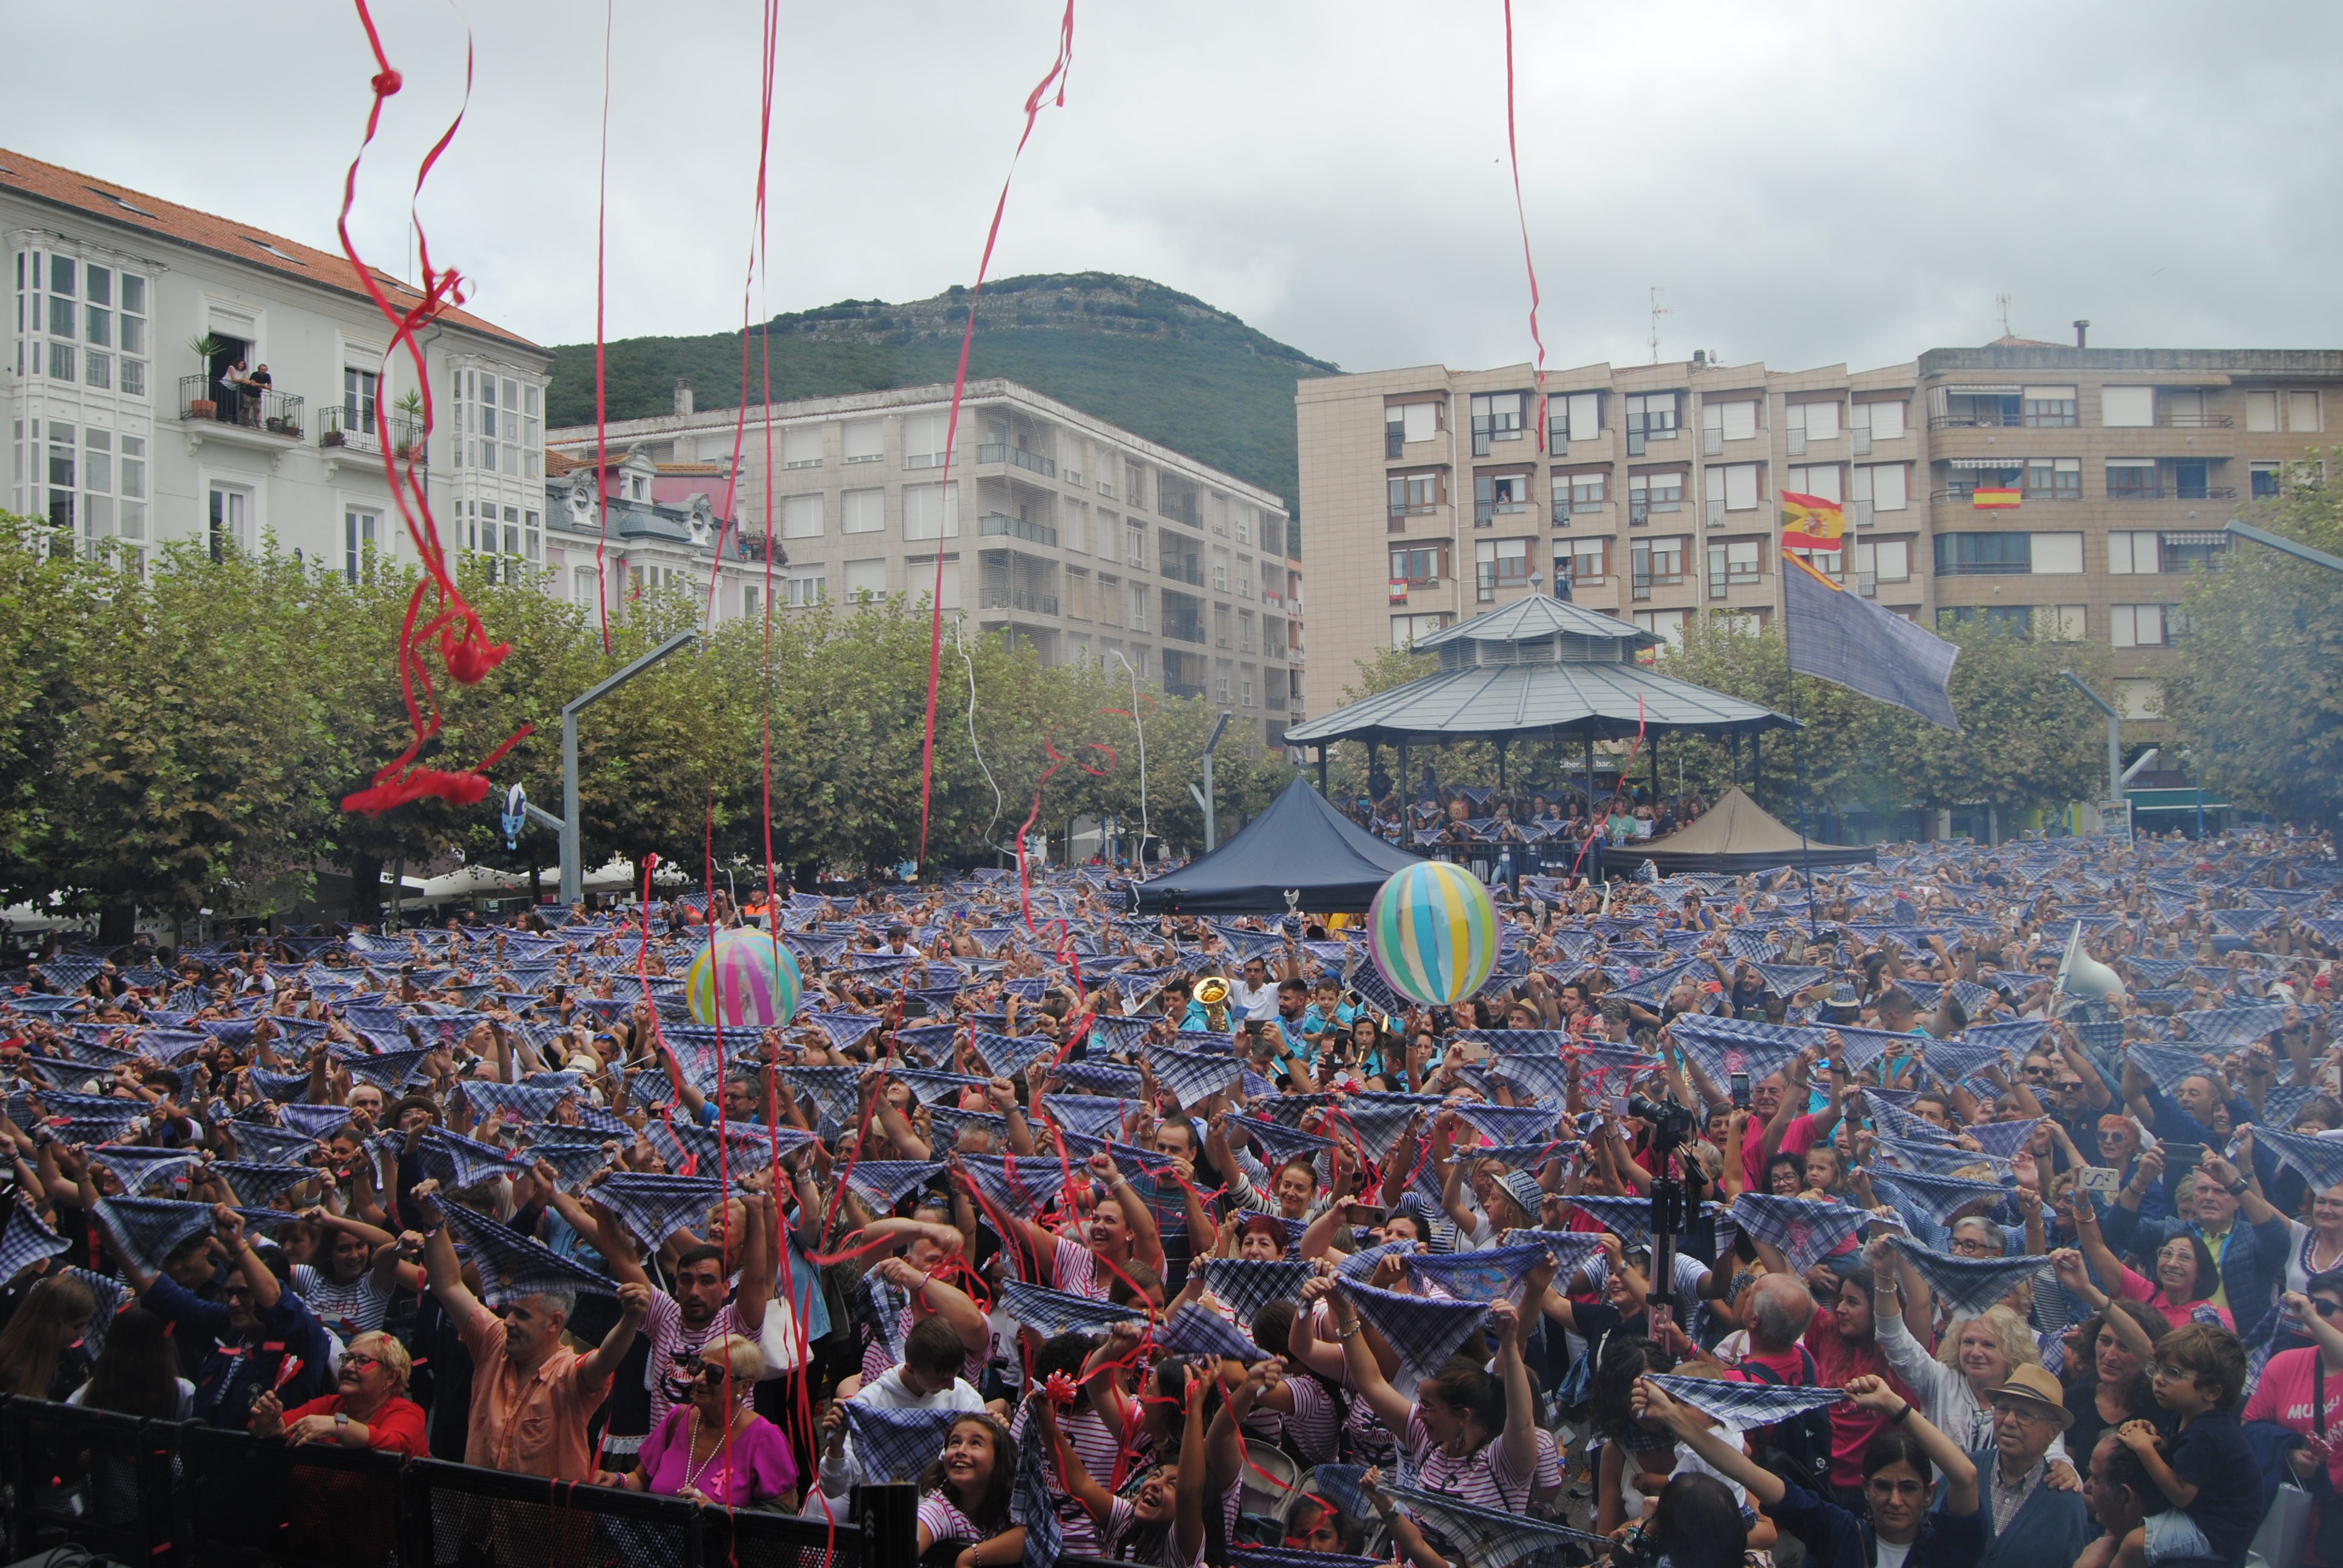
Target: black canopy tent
<point>1300,845</point>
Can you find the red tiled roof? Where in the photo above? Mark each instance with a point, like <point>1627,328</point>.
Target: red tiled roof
<point>206,231</point>
<point>556,463</point>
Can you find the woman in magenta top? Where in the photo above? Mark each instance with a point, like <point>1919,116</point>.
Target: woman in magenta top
<point>2186,1275</point>
<point>712,1448</point>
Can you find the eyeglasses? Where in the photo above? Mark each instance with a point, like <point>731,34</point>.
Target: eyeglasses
<point>2031,1415</point>
<point>360,1359</point>
<point>1972,1247</point>
<point>2325,1308</point>
<point>2064,1084</point>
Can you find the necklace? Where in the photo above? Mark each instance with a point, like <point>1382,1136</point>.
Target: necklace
<point>2310,1264</point>
<point>691,1473</point>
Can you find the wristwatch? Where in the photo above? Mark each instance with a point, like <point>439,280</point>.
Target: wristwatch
<point>342,1420</point>
<point>2237,1188</point>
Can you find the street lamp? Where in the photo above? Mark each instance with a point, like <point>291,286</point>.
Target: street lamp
<point>573,870</point>
<point>2115,739</point>
<point>1203,798</point>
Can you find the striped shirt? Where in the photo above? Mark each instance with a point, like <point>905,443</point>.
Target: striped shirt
<point>1481,1477</point>
<point>1096,1446</point>
<point>351,1310</point>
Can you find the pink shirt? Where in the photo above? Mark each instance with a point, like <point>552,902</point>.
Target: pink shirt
<point>2138,1288</point>
<point>1797,1138</point>
<point>757,1462</point>
<point>2283,1396</point>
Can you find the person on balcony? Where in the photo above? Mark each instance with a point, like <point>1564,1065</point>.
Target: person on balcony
<point>256,404</point>
<point>235,382</point>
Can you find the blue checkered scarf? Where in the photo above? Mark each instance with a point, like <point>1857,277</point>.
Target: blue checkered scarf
<point>459,1161</point>
<point>255,1183</point>
<point>314,1122</point>
<point>656,1207</point>
<point>935,1088</point>
<point>1285,1557</point>
<point>1487,1537</point>
<point>1939,1159</point>
<point>1919,1199</point>
<point>2320,1159</point>
<point>512,1265</point>
<point>883,1183</point>
<point>845,1027</point>
<point>1248,1284</point>
<point>885,1443</point>
<point>2017,1037</point>
<point>1725,1046</point>
<point>111,1296</point>
<point>1424,1330</point>
<point>1050,1313</point>
<point>2004,1140</point>
<point>572,1161</point>
<point>1020,1190</point>
<point>1196,1330</point>
<point>1099,1077</point>
<point>148,1230</point>
<point>1547,1078</point>
<point>1746,1404</point>
<point>1569,1249</point>
<point>388,1070</point>
<point>1968,1285</point>
<point>1893,1122</point>
<point>1087,1114</point>
<point>1805,1229</point>
<point>1629,1219</point>
<point>1479,1276</point>
<point>516,1102</point>
<point>1283,1143</point>
<point>1194,1076</point>
<point>138,1168</point>
<point>1032,1504</point>
<point>1510,1123</point>
<point>24,1239</point>
<point>259,1141</point>
<point>835,1092</point>
<point>1007,1055</point>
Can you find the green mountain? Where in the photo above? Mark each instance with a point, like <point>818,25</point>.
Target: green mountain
<point>1156,362</point>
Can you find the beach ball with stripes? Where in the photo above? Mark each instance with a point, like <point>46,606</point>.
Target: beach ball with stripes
<point>744,980</point>
<point>1434,933</point>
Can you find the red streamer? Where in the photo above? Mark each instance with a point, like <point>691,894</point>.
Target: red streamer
<point>601,369</point>
<point>465,652</point>
<point>1033,103</point>
<point>1514,157</point>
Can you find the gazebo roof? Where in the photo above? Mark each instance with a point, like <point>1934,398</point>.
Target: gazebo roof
<point>1540,667</point>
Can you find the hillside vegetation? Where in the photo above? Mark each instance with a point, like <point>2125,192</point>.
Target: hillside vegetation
<point>1158,363</point>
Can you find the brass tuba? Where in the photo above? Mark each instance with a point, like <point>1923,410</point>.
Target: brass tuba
<point>1213,993</point>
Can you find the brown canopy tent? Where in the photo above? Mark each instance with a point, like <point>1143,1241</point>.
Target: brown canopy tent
<point>1736,836</point>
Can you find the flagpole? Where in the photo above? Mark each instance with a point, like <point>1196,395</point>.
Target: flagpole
<point>1789,563</point>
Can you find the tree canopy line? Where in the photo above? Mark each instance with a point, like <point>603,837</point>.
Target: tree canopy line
<point>185,743</point>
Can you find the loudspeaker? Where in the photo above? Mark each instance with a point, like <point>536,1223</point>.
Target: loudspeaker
<point>2079,974</point>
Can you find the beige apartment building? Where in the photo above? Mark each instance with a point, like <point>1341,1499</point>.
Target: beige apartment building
<point>2107,473</point>
<point>1076,538</point>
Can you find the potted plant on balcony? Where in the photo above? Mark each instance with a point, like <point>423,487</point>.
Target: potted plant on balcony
<point>410,409</point>
<point>205,348</point>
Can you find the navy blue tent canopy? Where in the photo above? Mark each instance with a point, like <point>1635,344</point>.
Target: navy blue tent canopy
<point>1299,845</point>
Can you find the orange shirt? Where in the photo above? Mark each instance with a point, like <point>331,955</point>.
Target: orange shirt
<point>533,1423</point>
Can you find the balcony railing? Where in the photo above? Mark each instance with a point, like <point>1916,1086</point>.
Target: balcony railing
<point>750,546</point>
<point>1990,419</point>
<point>1485,513</point>
<point>1191,573</point>
<point>996,525</point>
<point>1183,688</point>
<point>1179,508</point>
<point>1182,630</point>
<point>1016,457</point>
<point>2173,493</point>
<point>264,409</point>
<point>339,425</point>
<point>2195,421</point>
<point>1394,441</point>
<point>1984,568</point>
<point>1030,600</point>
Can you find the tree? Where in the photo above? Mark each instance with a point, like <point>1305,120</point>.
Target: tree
<point>2258,694</point>
<point>49,601</point>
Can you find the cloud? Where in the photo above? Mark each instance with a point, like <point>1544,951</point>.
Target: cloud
<point>1806,182</point>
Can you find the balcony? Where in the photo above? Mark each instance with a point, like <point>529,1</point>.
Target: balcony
<point>355,430</point>
<point>1016,457</point>
<point>1031,601</point>
<point>996,526</point>
<point>1182,687</point>
<point>2194,421</point>
<point>205,404</point>
<point>748,546</point>
<point>1184,570</point>
<point>2172,493</point>
<point>1395,442</point>
<point>1179,508</point>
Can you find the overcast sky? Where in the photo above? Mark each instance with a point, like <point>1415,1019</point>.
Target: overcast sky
<point>1805,183</point>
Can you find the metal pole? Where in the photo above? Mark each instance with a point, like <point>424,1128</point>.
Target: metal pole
<point>2115,735</point>
<point>573,870</point>
<point>2285,546</point>
<point>1211,830</point>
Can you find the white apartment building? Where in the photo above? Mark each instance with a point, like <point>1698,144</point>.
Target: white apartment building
<point>1086,543</point>
<point>123,439</point>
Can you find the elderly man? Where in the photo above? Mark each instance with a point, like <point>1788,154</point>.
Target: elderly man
<point>531,1394</point>
<point>2121,1497</point>
<point>2252,1256</point>
<point>2031,1523</point>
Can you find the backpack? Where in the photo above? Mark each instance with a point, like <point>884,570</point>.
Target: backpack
<point>1797,1449</point>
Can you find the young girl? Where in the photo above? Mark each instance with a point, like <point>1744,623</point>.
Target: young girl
<point>964,1496</point>
<point>1163,1521</point>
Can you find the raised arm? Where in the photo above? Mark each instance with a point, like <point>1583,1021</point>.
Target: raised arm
<point>1391,1407</point>
<point>634,1306</point>
<point>1520,1436</point>
<point>1692,1430</point>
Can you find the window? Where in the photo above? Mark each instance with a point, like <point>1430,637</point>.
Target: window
<point>749,600</point>
<point>1587,561</point>
<point>133,334</point>
<point>1135,547</point>
<point>61,361</point>
<point>1245,631</point>
<point>2054,480</point>
<point>862,511</point>
<point>1134,484</point>
<point>1887,485</point>
<point>1819,420</point>
<point>2057,555</point>
<point>1820,480</point>
<point>1661,492</point>
<point>2265,479</point>
<point>1420,568</point>
<point>2140,698</point>
<point>2261,411</point>
<point>1580,492</point>
<point>134,487</point>
<point>2131,479</point>
<point>1416,421</point>
<point>2301,408</point>
<point>807,587</point>
<point>1735,563</point>
<point>1657,562</point>
<point>1077,594</point>
<point>2125,408</point>
<point>931,511</point>
<point>532,533</point>
<point>581,585</point>
<point>1735,421</point>
<point>1221,637</point>
<point>2135,625</point>
<point>865,579</point>
<point>2183,550</point>
<point>2058,622</point>
<point>1651,416</point>
<point>1739,622</point>
<point>1500,563</point>
<point>1583,411</point>
<point>1221,672</point>
<point>1246,675</point>
<point>512,539</point>
<point>1078,528</point>
<point>1964,555</point>
<point>230,519</point>
<point>358,391</point>
<point>1138,606</point>
<point>1220,567</point>
<point>1497,494</point>
<point>2049,408</point>
<point>801,446</point>
<point>2009,620</point>
<point>1416,494</point>
<point>360,536</point>
<point>866,440</point>
<point>801,516</point>
<point>923,440</point>
<point>2133,551</point>
<point>1884,561</point>
<point>1244,524</point>
<point>1740,485</point>
<point>1668,625</point>
<point>1884,420</point>
<point>922,580</point>
<point>1407,629</point>
<point>1496,417</point>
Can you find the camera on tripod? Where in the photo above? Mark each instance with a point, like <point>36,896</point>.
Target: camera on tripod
<point>1671,1124</point>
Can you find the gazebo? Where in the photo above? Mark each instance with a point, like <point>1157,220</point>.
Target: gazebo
<point>1540,669</point>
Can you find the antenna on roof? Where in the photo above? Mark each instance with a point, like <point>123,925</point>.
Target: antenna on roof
<point>2002,300</point>
<point>1658,310</point>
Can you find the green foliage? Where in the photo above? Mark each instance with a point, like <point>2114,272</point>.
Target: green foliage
<point>2257,698</point>
<point>1155,362</point>
<point>186,742</point>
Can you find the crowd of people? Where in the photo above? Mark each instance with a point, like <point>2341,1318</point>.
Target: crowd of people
<point>1506,835</point>
<point>1730,1221</point>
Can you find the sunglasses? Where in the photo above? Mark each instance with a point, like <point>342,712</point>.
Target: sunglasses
<point>2327,1308</point>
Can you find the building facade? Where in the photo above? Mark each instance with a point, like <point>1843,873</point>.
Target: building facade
<point>2060,492</point>
<point>123,437</point>
<point>1063,533</point>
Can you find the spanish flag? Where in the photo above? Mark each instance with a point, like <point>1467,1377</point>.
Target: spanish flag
<point>1996,500</point>
<point>1811,523</point>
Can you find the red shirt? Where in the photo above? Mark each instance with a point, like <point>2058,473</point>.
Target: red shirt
<point>1836,1363</point>
<point>348,1516</point>
<point>1797,1138</point>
